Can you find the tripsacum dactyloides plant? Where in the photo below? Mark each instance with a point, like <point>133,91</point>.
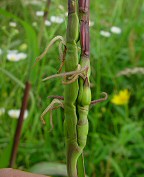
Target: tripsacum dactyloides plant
<point>77,93</point>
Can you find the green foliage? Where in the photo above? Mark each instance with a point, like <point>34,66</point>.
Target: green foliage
<point>116,138</point>
<point>5,155</point>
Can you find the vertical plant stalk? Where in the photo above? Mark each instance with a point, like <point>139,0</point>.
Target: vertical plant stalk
<point>84,61</point>
<point>80,166</point>
<point>77,95</point>
<point>84,28</point>
<point>71,90</point>
<point>19,125</point>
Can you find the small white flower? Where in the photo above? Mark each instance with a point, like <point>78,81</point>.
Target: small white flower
<point>47,23</point>
<point>22,56</point>
<point>91,23</point>
<point>12,24</point>
<point>116,30</point>
<point>56,19</point>
<point>12,57</point>
<point>2,111</point>
<point>15,56</point>
<point>39,13</point>
<point>14,113</point>
<point>105,33</point>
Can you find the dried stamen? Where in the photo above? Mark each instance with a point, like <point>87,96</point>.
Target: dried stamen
<point>49,45</point>
<point>67,74</point>
<point>101,99</point>
<point>51,107</point>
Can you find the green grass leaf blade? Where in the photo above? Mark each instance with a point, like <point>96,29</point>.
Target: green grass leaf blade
<point>5,155</point>
<point>116,167</point>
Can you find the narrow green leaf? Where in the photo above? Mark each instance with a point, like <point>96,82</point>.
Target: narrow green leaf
<point>5,155</point>
<point>116,167</point>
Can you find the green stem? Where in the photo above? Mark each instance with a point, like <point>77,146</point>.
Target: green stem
<point>84,97</point>
<point>80,166</point>
<point>71,91</point>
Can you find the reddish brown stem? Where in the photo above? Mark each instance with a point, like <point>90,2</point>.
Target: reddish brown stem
<point>19,124</point>
<point>84,5</point>
<point>46,9</point>
<point>84,27</point>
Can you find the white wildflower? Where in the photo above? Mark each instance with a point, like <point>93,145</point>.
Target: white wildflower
<point>47,23</point>
<point>14,56</point>
<point>12,24</point>
<point>39,13</point>
<point>116,30</point>
<point>2,111</point>
<point>22,56</point>
<point>105,33</point>
<point>14,113</point>
<point>56,19</point>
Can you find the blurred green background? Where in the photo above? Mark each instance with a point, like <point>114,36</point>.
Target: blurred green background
<point>115,146</point>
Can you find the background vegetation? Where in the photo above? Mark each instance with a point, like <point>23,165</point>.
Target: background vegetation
<point>115,144</point>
